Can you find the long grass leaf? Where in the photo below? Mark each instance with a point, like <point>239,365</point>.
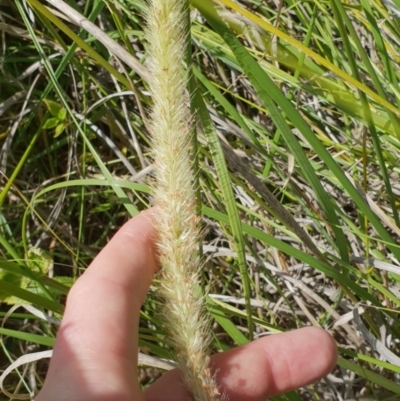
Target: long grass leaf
<point>32,338</point>
<point>373,377</point>
<point>226,187</point>
<point>30,297</point>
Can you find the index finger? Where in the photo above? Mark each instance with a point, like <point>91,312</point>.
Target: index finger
<point>99,330</point>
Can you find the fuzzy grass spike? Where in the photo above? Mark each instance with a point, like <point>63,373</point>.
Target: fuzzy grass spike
<point>171,128</point>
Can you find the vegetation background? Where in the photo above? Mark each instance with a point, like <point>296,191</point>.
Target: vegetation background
<point>297,148</point>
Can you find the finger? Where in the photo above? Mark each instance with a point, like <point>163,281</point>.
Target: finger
<point>261,369</point>
<point>96,347</point>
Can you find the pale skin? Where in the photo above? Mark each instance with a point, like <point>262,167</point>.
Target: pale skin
<point>95,355</point>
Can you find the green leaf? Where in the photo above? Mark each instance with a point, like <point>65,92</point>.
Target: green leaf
<point>62,114</point>
<point>53,107</point>
<point>32,338</point>
<point>51,123</point>
<point>9,278</point>
<point>237,336</point>
<point>15,290</point>
<point>55,285</point>
<point>59,130</point>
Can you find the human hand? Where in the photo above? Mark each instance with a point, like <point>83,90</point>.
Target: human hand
<point>96,351</point>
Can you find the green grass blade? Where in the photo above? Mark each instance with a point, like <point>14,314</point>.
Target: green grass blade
<point>234,114</point>
<point>226,187</point>
<point>235,334</point>
<point>373,377</point>
<point>30,297</point>
<point>302,256</point>
<point>32,338</point>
